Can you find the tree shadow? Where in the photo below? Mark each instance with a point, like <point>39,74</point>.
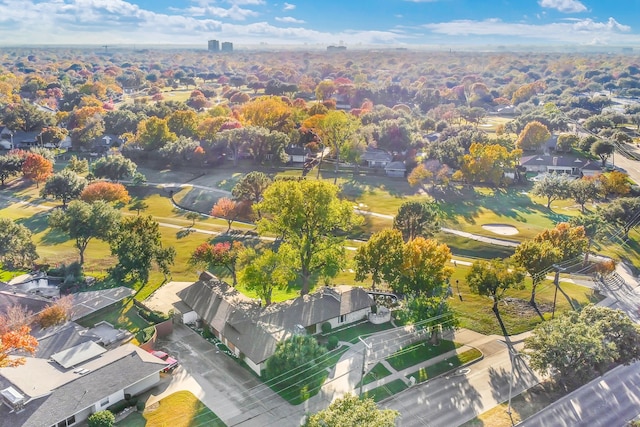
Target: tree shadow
<point>185,232</point>
<point>55,237</point>
<point>37,223</point>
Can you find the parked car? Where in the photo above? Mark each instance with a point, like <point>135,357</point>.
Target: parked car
<point>171,362</point>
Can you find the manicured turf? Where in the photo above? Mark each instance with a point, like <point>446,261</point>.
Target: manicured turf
<point>351,334</point>
<point>122,315</point>
<point>378,372</point>
<point>445,365</point>
<point>180,409</point>
<point>419,352</point>
<point>387,390</point>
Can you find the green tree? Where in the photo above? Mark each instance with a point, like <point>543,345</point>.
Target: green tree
<point>351,411</point>
<point>78,166</point>
<point>308,215</point>
<point>10,165</point>
<point>102,419</point>
<point>594,229</point>
<point>536,258</point>
<point>114,168</point>
<point>337,130</point>
<point>616,328</point>
<point>602,149</point>
<point>623,213</point>
<point>265,271</point>
<point>65,185</point>
<point>488,162</point>
<point>138,205</point>
<point>153,133</point>
<point>566,142</point>
<point>493,279</point>
<point>16,245</point>
<point>417,219</point>
<point>296,366</point>
<point>570,241</point>
<point>584,189</point>
<point>552,186</point>
<point>533,136</point>
<point>83,222</point>
<point>381,257</point>
<point>137,243</point>
<point>251,187</point>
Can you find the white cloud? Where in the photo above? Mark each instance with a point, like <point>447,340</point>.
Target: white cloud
<point>288,6</point>
<point>234,12</point>
<point>289,19</point>
<point>568,31</point>
<point>566,6</point>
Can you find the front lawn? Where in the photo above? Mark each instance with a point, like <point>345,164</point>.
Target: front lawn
<point>446,365</point>
<point>122,315</point>
<point>378,372</point>
<point>419,352</point>
<point>387,390</point>
<point>351,333</point>
<point>180,409</point>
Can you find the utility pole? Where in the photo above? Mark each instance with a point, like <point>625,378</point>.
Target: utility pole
<point>364,362</point>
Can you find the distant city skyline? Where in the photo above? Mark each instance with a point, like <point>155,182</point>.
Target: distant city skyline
<point>329,22</point>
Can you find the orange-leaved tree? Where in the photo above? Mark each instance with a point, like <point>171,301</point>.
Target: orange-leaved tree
<point>37,168</point>
<point>227,209</point>
<point>57,313</point>
<point>107,191</point>
<point>15,336</point>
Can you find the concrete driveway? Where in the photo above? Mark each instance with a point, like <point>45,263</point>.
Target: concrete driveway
<point>237,396</point>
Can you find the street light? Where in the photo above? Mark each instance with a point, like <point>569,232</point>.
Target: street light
<point>458,288</point>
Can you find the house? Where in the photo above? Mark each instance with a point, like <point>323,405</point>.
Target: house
<point>376,158</point>
<point>395,169</point>
<point>252,331</point>
<point>296,154</point>
<point>66,387</point>
<point>567,164</point>
<point>10,297</point>
<point>34,283</point>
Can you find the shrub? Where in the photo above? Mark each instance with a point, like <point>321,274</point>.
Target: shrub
<point>102,419</point>
<point>118,407</point>
<point>144,335</point>
<point>56,313</point>
<point>140,405</point>
<point>332,342</point>
<point>153,316</point>
<point>326,327</point>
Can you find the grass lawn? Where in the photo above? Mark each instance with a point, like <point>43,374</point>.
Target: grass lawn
<point>122,315</point>
<point>180,409</point>
<point>419,352</point>
<point>379,371</point>
<point>387,390</point>
<point>446,365</point>
<point>297,388</point>
<point>351,334</point>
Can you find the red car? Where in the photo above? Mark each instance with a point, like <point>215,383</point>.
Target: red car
<point>171,362</point>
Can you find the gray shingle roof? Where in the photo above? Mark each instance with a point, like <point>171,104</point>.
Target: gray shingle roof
<point>81,393</point>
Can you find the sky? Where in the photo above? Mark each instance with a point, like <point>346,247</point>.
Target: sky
<point>351,23</point>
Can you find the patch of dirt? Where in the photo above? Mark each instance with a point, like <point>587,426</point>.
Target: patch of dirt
<point>522,308</point>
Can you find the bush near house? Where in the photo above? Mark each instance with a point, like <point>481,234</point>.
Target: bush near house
<point>102,419</point>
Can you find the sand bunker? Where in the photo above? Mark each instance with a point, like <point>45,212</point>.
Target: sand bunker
<point>502,229</point>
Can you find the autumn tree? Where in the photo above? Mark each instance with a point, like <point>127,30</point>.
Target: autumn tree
<point>616,183</point>
<point>337,130</point>
<point>423,269</point>
<point>269,112</point>
<point>533,136</point>
<point>381,257</point>
<point>594,229</point>
<point>536,257</point>
<point>137,243</point>
<point>11,341</point>
<point>351,411</point>
<point>184,123</point>
<point>223,254</point>
<point>308,216</point>
<point>57,313</point>
<point>419,175</point>
<point>264,271</point>
<point>153,133</point>
<point>569,241</point>
<point>417,219</point>
<point>105,191</point>
<point>488,162</point>
<point>622,213</point>
<point>552,186</point>
<point>493,279</point>
<point>325,89</point>
<point>84,222</point>
<point>65,186</point>
<point>602,149</point>
<point>227,209</point>
<point>36,168</point>
<point>16,245</point>
<point>114,168</point>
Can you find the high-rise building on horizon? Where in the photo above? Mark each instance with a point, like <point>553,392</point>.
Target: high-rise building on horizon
<point>214,46</point>
<point>227,47</point>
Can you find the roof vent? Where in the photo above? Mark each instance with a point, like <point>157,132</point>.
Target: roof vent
<point>13,398</point>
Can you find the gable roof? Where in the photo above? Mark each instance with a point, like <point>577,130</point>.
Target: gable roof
<point>256,330</point>
<point>32,303</point>
<point>375,155</point>
<point>128,365</point>
<point>566,160</point>
<point>58,338</point>
<point>398,166</point>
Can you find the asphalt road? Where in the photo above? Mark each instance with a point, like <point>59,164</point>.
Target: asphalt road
<point>611,400</point>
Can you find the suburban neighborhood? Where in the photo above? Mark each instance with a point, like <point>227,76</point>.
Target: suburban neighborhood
<point>335,235</point>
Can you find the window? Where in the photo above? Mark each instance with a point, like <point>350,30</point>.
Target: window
<point>104,402</point>
<point>343,318</point>
<point>71,420</point>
